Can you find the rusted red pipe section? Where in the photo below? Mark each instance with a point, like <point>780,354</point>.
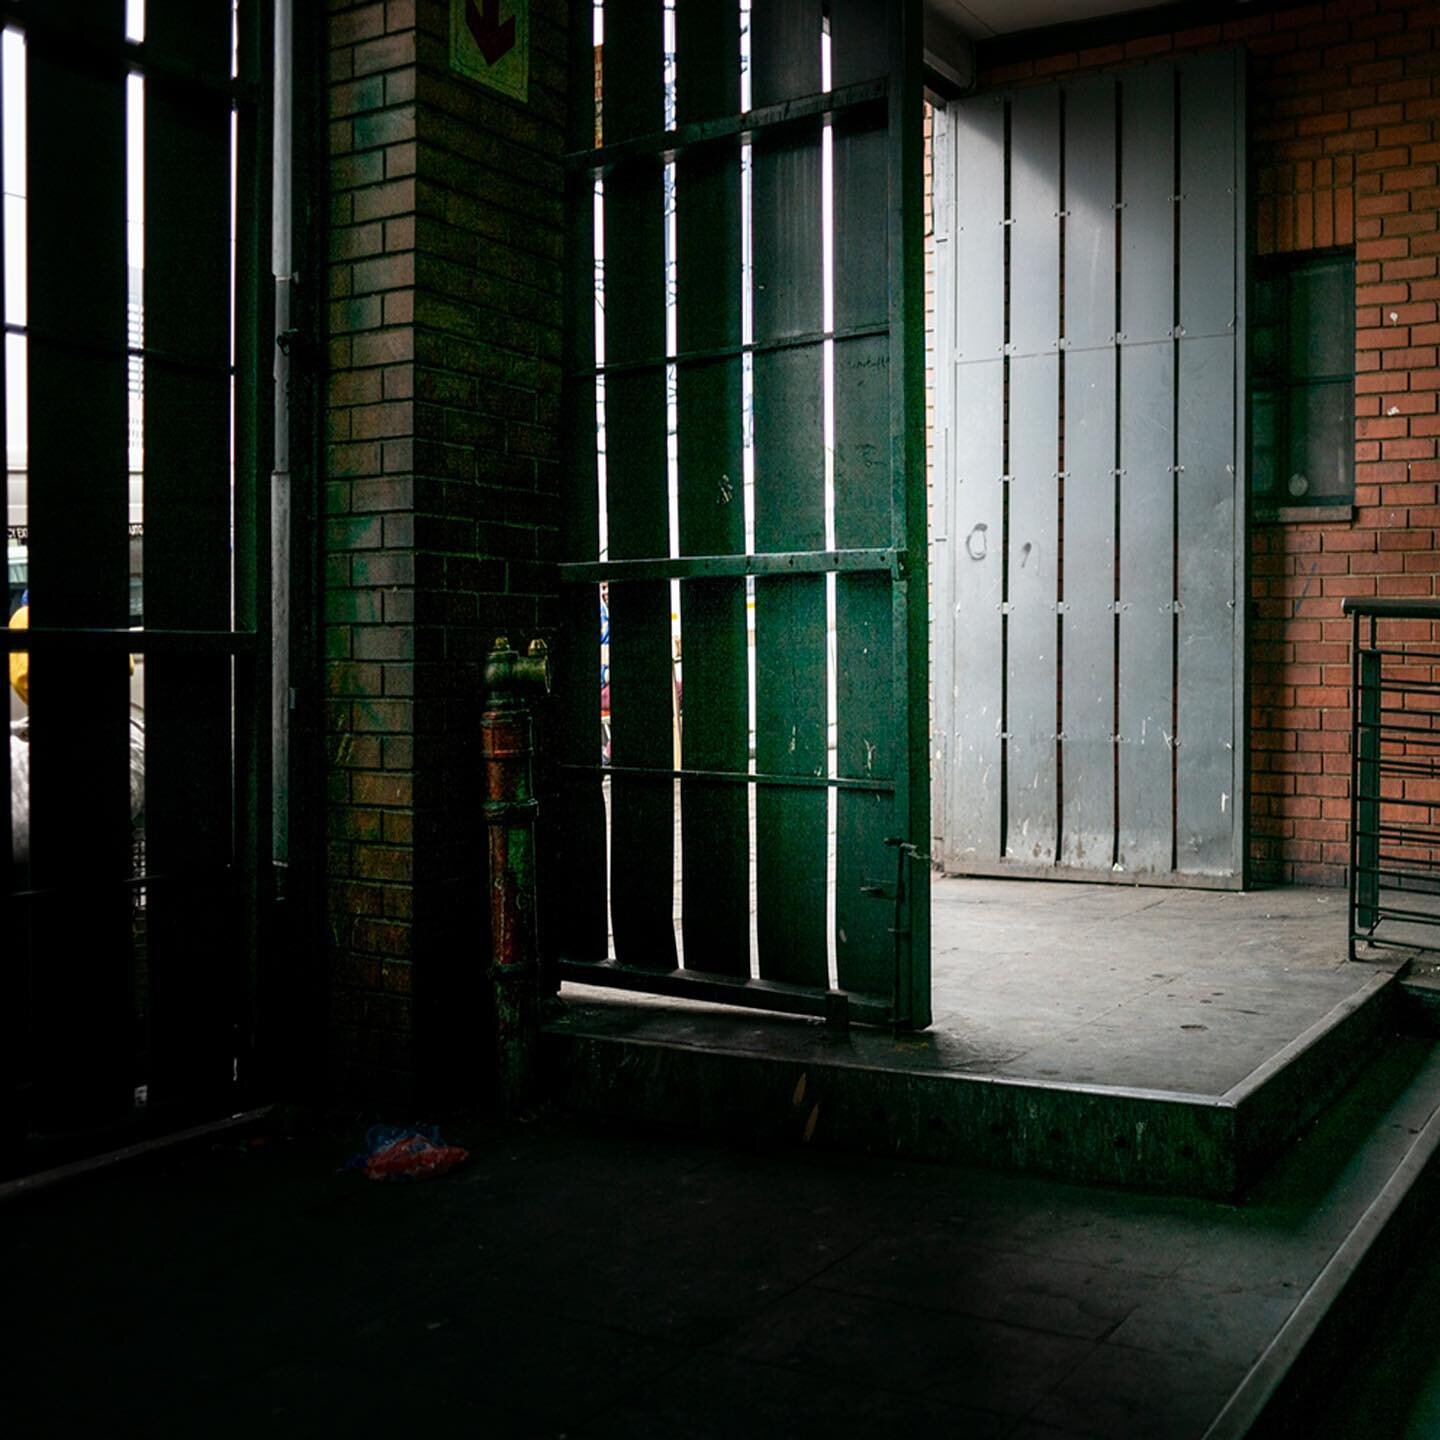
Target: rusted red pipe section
<point>512,680</point>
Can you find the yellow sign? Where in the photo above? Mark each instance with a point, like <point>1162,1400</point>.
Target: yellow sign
<point>490,43</point>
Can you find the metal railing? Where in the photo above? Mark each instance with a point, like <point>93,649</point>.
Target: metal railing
<point>1395,774</point>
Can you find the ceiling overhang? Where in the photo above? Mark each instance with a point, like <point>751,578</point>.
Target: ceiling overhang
<point>956,29</point>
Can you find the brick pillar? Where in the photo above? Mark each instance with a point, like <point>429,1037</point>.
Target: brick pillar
<point>443,417</point>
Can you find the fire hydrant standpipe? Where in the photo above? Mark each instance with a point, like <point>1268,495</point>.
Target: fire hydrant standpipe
<point>506,744</point>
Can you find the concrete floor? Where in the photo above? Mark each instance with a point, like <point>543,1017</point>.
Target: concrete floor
<point>1161,989</point>
<point>568,1282</point>
<point>1180,991</point>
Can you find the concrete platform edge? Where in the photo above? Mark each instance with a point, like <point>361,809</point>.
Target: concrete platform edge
<point>1277,1100</point>
<point>1145,1139</point>
<point>1291,1380</point>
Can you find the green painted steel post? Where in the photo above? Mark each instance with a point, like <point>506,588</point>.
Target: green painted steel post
<point>507,745</point>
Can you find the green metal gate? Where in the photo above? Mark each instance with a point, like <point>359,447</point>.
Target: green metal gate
<point>130,940</point>
<point>745,505</point>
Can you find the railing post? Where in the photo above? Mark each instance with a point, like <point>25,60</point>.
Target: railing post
<point>1366,808</point>
<point>506,743</point>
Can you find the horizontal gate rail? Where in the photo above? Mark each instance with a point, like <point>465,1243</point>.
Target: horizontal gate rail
<point>1395,775</point>
<point>738,777</point>
<point>733,352</point>
<point>767,120</point>
<point>691,567</point>
<point>837,1006</point>
<point>147,881</point>
<point>109,641</point>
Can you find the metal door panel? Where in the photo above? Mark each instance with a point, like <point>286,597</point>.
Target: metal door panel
<point>1147,524</point>
<point>974,626</point>
<point>1205,637</point>
<point>1032,637</point>
<point>1090,196</point>
<point>1035,222</point>
<point>1105,411</point>
<point>1087,831</point>
<point>1207,86</point>
<point>1147,217</point>
<point>978,126</point>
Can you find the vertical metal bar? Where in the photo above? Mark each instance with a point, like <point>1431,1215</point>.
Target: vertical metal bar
<point>714,818</point>
<point>187,554</point>
<point>572,849</point>
<point>869,731</point>
<point>1087,624</point>
<point>1147,370</point>
<point>1353,876</point>
<point>907,471</point>
<point>266,989</point>
<point>1205,672</point>
<point>1146,814</point>
<point>1208,724</point>
<point>1088,685</point>
<point>941,544</point>
<point>642,809</point>
<point>14,921</point>
<point>971,627</point>
<point>287,1061</point>
<point>790,613</point>
<point>1243,247</point>
<point>79,570</point>
<point>790,702</point>
<point>1031,662</point>
<point>1367,785</point>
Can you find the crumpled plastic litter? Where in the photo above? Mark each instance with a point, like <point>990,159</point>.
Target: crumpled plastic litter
<point>405,1152</point>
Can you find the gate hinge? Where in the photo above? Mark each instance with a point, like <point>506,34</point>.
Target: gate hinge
<point>297,347</point>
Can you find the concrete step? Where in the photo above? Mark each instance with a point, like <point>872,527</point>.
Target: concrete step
<point>1291,1390</point>
<point>869,1092</point>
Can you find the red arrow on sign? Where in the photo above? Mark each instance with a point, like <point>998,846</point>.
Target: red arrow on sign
<point>493,38</point>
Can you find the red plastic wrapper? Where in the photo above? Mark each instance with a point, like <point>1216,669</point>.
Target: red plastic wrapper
<point>394,1153</point>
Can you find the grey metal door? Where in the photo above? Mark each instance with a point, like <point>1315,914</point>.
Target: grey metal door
<point>1089,533</point>
<point>760,447</point>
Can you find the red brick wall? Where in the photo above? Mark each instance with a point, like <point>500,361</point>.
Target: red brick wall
<point>1344,148</point>
<point>445,249</point>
